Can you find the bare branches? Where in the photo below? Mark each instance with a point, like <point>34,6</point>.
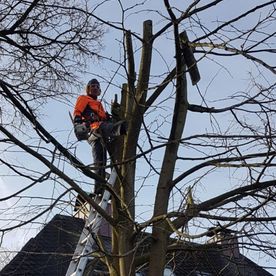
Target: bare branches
<point>217,173</point>
<point>42,45</point>
<point>56,171</point>
<point>234,51</point>
<point>189,11</point>
<point>236,19</point>
<point>23,17</point>
<point>219,163</point>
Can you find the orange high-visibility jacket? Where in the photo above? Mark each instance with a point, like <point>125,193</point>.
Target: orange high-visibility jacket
<point>85,105</point>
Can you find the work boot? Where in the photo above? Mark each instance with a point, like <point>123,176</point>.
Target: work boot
<point>99,189</point>
<point>120,128</point>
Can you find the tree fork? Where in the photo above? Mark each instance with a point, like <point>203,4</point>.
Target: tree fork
<point>135,101</point>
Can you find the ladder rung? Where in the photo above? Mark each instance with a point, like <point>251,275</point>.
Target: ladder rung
<point>84,240</point>
<point>93,221</point>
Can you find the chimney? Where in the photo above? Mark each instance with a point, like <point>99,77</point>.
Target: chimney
<point>227,239</point>
<point>82,210</point>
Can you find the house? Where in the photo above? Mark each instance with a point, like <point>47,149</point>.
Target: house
<point>50,252</point>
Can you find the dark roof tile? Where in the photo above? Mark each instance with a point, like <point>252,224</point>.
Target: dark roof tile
<point>49,254</point>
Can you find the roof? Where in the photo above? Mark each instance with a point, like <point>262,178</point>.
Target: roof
<point>49,253</point>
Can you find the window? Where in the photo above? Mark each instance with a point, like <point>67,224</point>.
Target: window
<point>202,273</point>
<point>168,272</point>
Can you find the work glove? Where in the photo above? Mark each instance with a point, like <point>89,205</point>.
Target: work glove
<point>108,117</point>
<point>120,128</point>
<point>77,120</point>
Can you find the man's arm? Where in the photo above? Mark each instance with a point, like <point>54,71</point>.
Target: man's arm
<point>79,107</point>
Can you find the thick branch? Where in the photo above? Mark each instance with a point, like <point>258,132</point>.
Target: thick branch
<point>160,89</point>
<point>131,75</point>
<point>235,19</point>
<point>220,200</point>
<point>61,174</point>
<point>23,16</point>
<point>235,52</point>
<point>222,218</point>
<point>216,162</point>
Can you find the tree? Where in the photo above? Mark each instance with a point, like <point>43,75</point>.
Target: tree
<point>6,256</point>
<point>206,135</point>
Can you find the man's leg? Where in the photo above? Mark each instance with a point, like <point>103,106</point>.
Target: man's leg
<point>109,129</point>
<point>99,156</point>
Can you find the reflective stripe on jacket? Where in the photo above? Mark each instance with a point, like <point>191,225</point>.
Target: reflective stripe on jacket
<point>85,105</point>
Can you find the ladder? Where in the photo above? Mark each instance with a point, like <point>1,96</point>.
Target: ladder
<point>91,228</point>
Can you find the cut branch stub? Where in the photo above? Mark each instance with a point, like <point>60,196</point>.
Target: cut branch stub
<point>131,74</point>
<point>144,72</point>
<point>189,58</point>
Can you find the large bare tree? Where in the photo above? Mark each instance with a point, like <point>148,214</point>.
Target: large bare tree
<point>198,96</point>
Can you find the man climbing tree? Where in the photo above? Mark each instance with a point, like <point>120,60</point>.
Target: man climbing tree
<point>194,154</point>
<point>94,124</point>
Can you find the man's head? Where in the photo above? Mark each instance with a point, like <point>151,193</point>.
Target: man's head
<point>93,88</point>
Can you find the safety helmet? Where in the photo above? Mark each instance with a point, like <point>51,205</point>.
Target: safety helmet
<point>94,82</point>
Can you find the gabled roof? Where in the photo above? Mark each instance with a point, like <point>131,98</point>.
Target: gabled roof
<point>49,254</point>
<point>213,262</point>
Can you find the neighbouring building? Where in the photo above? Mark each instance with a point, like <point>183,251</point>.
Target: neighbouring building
<point>50,252</point>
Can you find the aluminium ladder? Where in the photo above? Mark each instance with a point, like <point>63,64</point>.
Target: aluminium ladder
<point>87,240</point>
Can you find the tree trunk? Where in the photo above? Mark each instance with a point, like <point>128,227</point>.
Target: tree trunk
<point>159,232</point>
<point>130,146</point>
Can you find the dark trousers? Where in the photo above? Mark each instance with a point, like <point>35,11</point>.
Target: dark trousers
<point>99,153</point>
<point>107,130</point>
<point>100,157</point>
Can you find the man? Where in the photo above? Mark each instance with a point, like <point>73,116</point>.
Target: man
<point>97,126</point>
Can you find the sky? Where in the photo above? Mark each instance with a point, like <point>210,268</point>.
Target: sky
<point>220,78</point>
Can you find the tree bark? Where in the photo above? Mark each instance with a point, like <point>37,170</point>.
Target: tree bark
<point>159,231</point>
<point>137,103</point>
